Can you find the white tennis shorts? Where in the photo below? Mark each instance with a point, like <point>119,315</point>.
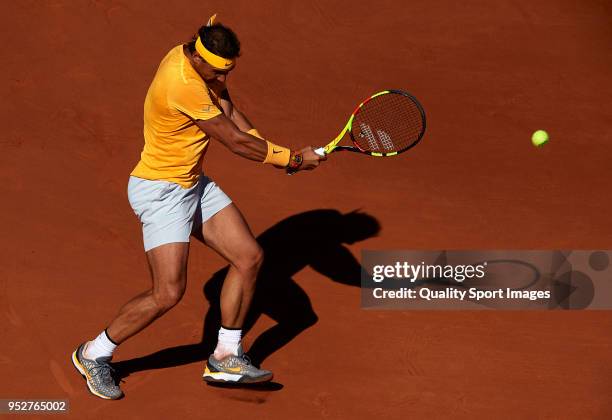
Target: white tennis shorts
<point>168,212</point>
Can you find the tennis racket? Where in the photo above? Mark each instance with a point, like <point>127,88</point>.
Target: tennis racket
<point>385,124</point>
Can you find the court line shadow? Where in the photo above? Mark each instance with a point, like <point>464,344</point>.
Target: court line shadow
<point>315,238</point>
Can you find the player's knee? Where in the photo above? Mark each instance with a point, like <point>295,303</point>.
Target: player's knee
<point>250,261</point>
<point>168,298</point>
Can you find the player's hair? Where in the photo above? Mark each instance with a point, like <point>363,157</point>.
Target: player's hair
<point>217,39</point>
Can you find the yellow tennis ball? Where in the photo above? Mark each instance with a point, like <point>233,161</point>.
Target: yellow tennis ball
<point>539,138</point>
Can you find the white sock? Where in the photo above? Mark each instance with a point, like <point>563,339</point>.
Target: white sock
<point>101,346</point>
<point>228,343</point>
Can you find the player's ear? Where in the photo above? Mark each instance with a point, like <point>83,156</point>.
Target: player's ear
<point>196,57</point>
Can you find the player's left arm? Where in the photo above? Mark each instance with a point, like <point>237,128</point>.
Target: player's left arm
<point>233,113</point>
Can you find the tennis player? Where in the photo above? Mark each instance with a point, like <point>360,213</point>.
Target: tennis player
<point>188,104</point>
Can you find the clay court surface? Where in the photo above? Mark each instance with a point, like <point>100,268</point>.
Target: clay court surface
<point>489,73</point>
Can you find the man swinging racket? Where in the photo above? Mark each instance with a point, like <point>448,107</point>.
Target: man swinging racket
<point>186,105</point>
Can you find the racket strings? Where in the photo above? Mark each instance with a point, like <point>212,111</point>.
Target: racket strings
<point>388,123</point>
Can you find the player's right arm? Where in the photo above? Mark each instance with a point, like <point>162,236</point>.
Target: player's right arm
<point>250,147</point>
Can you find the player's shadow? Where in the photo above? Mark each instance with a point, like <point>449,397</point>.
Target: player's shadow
<point>315,238</point>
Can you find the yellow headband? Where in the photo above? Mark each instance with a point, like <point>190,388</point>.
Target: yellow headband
<point>213,59</point>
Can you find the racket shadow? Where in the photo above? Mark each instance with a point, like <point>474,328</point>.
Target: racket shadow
<point>315,239</point>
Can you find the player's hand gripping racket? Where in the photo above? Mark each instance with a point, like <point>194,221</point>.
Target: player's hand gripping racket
<point>386,124</point>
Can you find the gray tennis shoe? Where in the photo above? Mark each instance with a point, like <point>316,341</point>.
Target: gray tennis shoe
<point>98,374</point>
<point>234,369</point>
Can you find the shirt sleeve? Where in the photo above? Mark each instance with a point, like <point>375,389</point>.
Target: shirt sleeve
<point>192,99</point>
